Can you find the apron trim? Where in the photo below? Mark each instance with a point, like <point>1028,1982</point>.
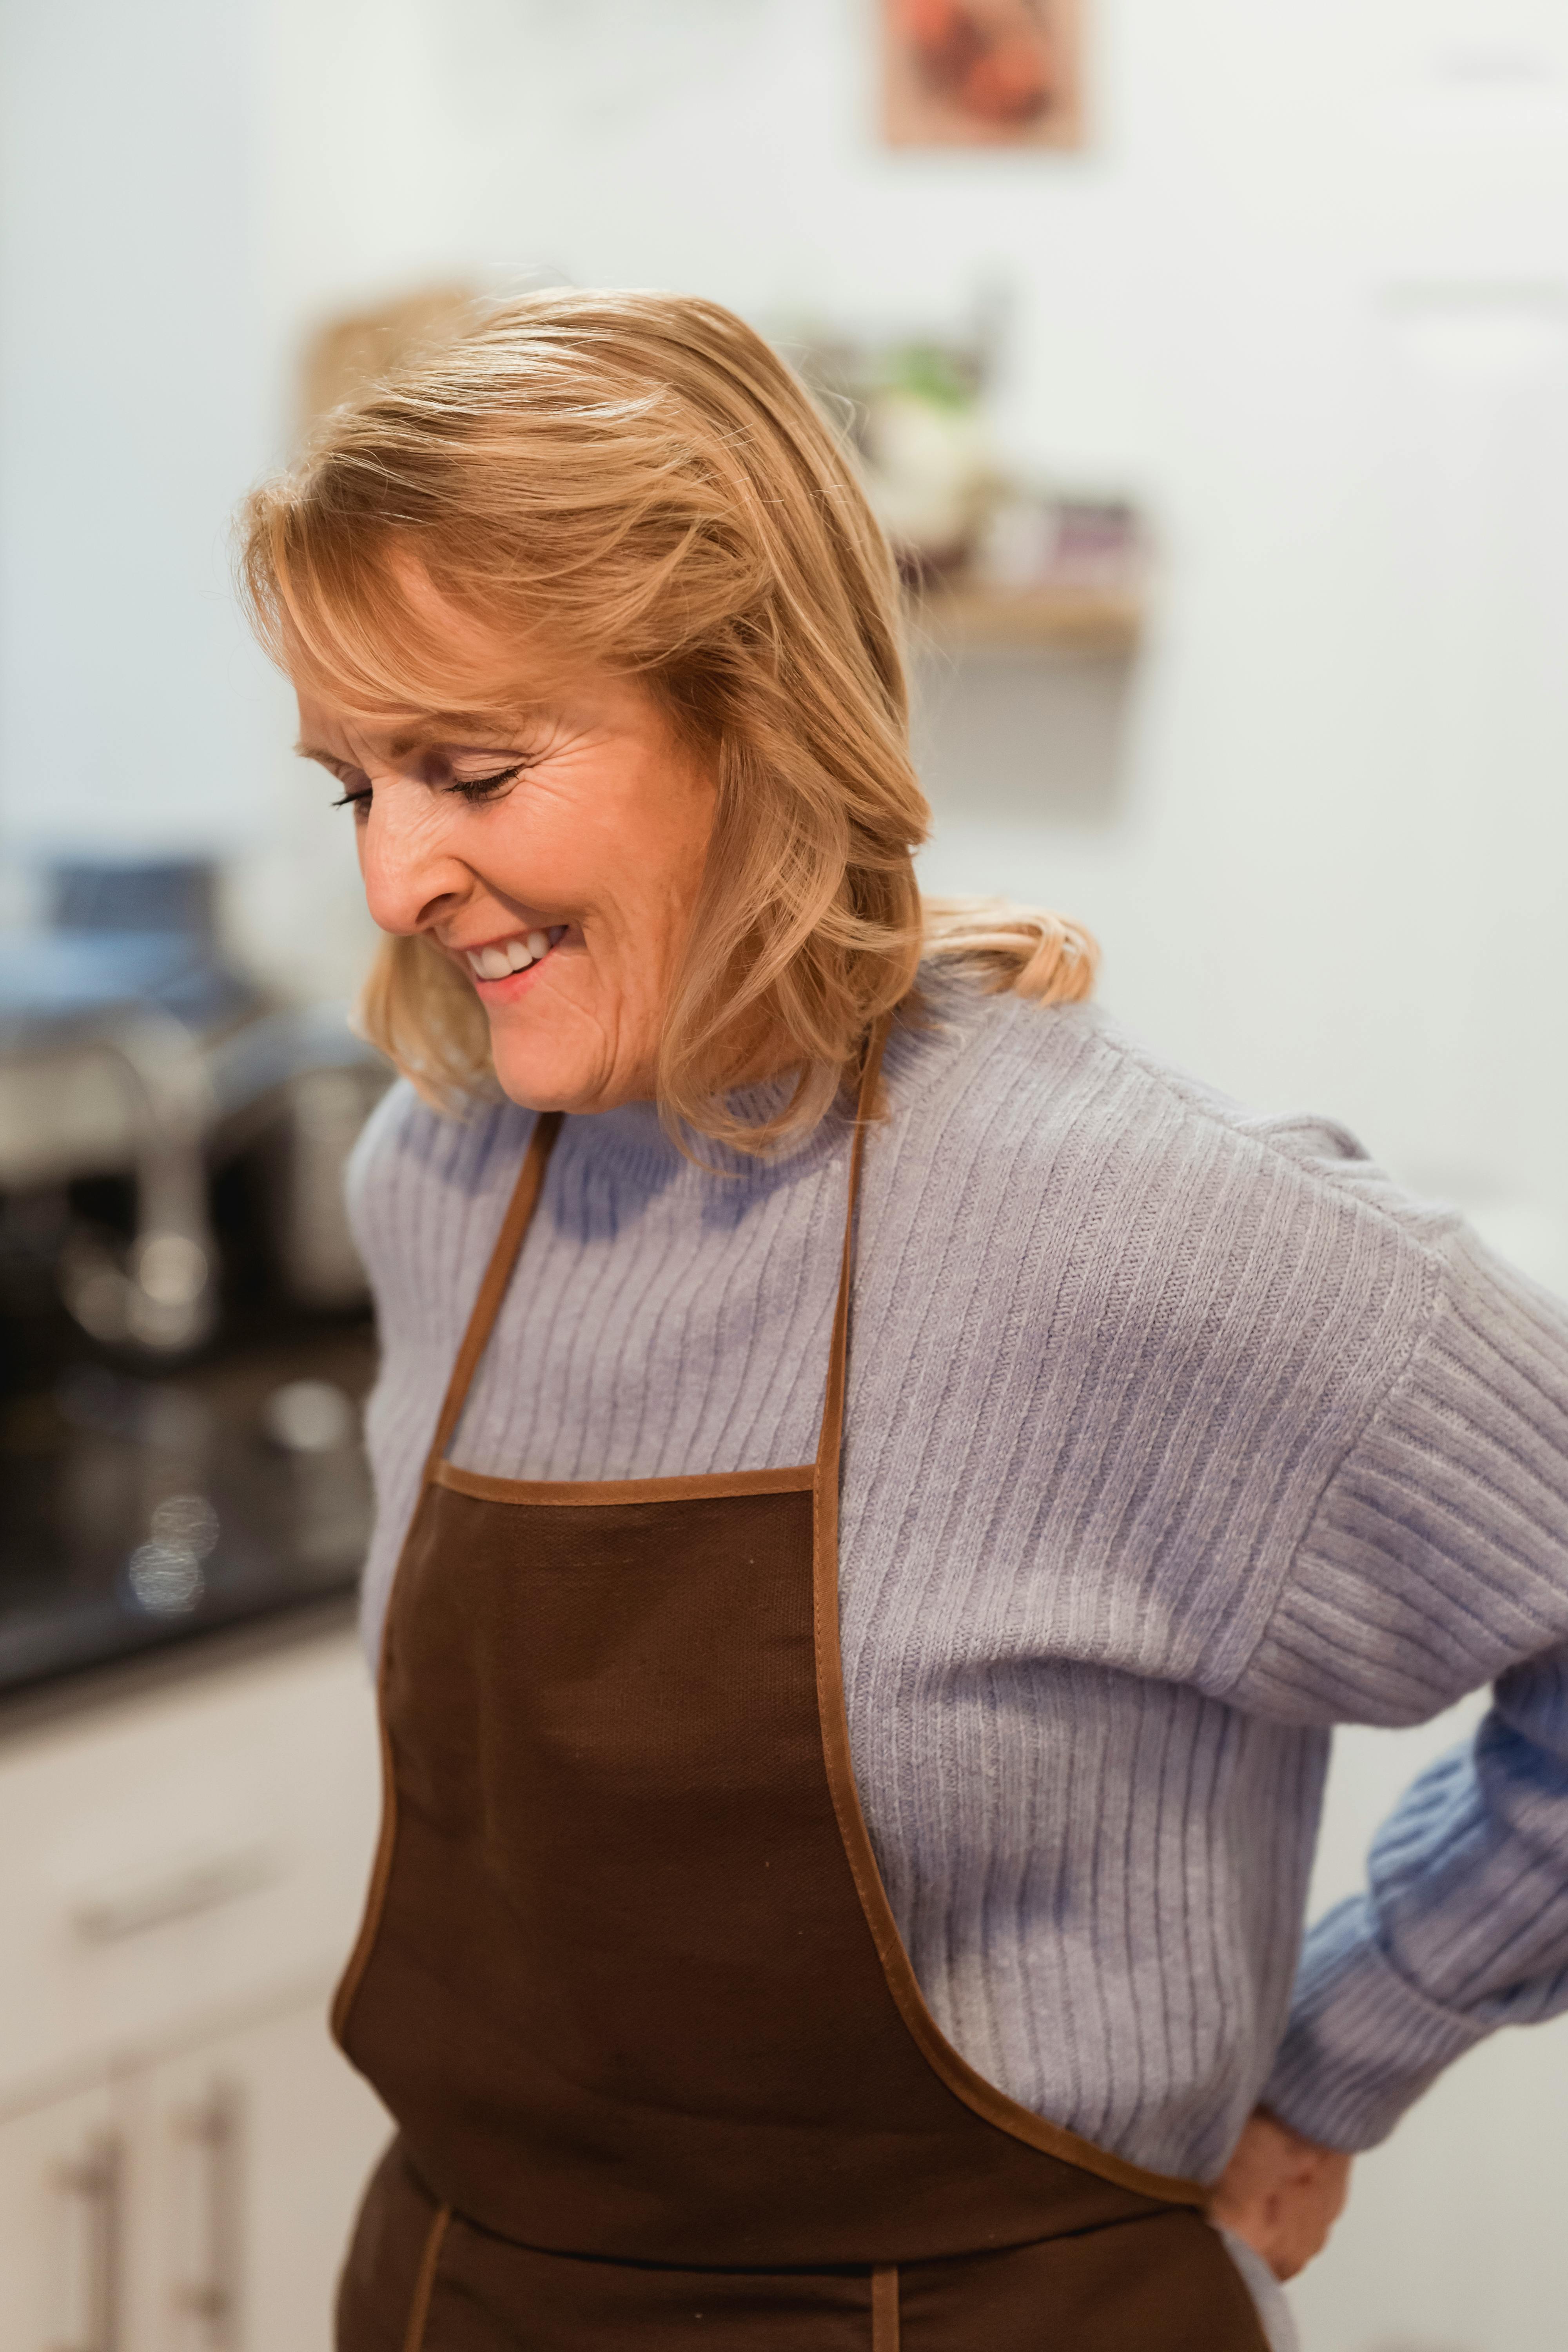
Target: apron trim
<point>946,2063</point>
<point>796,1480</point>
<point>492,1289</point>
<point>425,2285</point>
<point>885,2309</point>
<point>381,1872</point>
<point>993,2106</point>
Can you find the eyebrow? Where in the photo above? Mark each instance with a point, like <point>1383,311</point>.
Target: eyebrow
<point>443,731</point>
<point>447,731</point>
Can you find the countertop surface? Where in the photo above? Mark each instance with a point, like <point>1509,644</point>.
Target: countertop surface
<point>143,1511</point>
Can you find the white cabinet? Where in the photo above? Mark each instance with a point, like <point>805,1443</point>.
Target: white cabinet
<point>181,2148</point>
<point>62,2190</point>
<point>245,2159</point>
<point>200,2203</point>
<point>188,1853</point>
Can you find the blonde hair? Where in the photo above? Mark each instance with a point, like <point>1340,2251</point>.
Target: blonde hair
<point>637,481</point>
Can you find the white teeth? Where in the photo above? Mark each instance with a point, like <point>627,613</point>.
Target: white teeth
<point>512,955</point>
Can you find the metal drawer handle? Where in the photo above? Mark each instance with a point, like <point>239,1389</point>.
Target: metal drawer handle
<point>98,2179</point>
<point>215,2131</point>
<point>201,1886</point>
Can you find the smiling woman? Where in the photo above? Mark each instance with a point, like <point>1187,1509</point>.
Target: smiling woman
<point>849,1809</point>
<point>616,537</point>
<point>552,862</point>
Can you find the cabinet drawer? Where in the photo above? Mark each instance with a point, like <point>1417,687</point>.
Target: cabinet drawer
<point>186,1853</point>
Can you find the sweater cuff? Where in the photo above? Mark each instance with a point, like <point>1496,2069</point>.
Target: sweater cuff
<point>1363,2044</point>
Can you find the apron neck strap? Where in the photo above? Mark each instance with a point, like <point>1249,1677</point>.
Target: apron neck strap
<point>830,1440</point>
<point>520,1216</point>
<point>498,1273</point>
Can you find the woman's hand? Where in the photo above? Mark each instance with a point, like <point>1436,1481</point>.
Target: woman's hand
<point>1280,2192</point>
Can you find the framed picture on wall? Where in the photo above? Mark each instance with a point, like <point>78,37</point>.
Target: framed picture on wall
<point>982,73</point>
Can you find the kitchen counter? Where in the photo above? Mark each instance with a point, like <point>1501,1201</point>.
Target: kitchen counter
<point>142,1512</point>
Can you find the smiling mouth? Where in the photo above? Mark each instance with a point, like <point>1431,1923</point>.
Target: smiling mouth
<point>506,956</point>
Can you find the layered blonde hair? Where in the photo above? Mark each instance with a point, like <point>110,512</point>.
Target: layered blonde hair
<point>636,482</point>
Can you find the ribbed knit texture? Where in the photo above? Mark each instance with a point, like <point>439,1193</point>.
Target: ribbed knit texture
<point>1174,1435</point>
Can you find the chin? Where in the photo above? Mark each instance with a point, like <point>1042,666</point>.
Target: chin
<point>535,1083</point>
<point>538,1077</point>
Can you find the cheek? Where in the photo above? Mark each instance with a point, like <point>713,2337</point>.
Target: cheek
<point>644,862</point>
<point>668,880</point>
<point>679,829</point>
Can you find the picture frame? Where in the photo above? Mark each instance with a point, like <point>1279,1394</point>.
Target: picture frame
<point>982,73</point>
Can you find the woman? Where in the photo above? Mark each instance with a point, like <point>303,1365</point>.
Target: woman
<point>883,1487</point>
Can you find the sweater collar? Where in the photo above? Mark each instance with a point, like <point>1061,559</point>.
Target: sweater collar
<point>633,1139</point>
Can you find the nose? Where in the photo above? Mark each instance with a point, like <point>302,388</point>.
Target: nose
<point>411,880</point>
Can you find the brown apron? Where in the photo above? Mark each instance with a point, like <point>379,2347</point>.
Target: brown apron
<point>629,1980</point>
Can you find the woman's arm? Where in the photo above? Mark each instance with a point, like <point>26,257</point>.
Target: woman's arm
<point>1463,1927</point>
<point>1437,1562</point>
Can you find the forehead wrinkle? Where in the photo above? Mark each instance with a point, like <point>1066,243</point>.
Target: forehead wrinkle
<point>442,729</point>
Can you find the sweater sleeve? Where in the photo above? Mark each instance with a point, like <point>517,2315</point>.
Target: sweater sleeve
<point>1438,1561</point>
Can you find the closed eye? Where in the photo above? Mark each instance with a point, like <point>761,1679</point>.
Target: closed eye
<point>481,788</point>
<point>476,789</point>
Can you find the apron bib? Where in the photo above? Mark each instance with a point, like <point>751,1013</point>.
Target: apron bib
<point>630,1985</point>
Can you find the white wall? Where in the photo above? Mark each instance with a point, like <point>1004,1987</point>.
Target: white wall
<point>1307,293</point>
<point>132,410</point>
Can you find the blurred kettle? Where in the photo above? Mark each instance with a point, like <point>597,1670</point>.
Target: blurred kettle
<point>296,1088</point>
<point>130,1048</point>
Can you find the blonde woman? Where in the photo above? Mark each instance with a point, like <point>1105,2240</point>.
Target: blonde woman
<point>884,1487</point>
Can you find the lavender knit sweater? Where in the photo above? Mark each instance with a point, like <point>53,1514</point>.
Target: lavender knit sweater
<point>1175,1435</point>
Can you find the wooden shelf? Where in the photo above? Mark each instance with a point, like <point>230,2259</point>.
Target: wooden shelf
<point>1080,620</point>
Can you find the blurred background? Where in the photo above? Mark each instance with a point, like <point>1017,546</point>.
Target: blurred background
<point>1210,365</point>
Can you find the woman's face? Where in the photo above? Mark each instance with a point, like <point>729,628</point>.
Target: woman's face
<point>554,859</point>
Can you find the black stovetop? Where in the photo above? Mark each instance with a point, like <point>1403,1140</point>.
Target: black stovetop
<point>139,1510</point>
